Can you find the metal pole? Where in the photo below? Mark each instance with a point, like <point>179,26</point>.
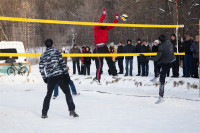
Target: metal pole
<point>199,56</point>
<point>177,25</point>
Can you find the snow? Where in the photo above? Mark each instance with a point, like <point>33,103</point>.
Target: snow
<point>127,105</point>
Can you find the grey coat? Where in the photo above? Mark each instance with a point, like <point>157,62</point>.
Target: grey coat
<point>194,48</point>
<point>75,51</point>
<point>165,53</point>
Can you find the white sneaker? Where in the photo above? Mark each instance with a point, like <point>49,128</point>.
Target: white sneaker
<point>115,77</point>
<point>98,82</point>
<point>160,100</point>
<point>154,80</point>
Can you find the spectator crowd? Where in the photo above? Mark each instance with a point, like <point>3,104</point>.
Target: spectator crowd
<point>189,61</point>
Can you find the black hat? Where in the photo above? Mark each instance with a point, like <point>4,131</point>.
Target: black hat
<point>173,35</point>
<point>129,40</point>
<point>48,43</point>
<point>139,39</point>
<point>162,38</point>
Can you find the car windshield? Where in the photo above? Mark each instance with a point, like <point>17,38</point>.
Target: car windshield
<point>9,50</point>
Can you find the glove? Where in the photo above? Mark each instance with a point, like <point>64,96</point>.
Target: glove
<point>45,80</point>
<point>117,16</point>
<point>141,55</point>
<point>67,78</point>
<point>104,11</point>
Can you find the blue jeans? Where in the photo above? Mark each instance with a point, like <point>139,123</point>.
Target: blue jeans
<point>145,68</point>
<point>129,61</point>
<point>188,70</point>
<point>72,86</point>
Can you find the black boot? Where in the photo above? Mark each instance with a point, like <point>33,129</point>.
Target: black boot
<point>44,116</point>
<point>73,113</point>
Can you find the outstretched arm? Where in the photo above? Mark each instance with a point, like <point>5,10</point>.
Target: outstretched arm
<point>115,21</point>
<point>103,16</point>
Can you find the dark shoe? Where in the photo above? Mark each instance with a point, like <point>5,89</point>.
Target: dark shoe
<point>44,116</point>
<point>76,94</point>
<point>183,76</point>
<point>138,75</point>
<point>54,97</point>
<point>131,74</point>
<point>73,113</point>
<point>174,76</point>
<point>125,75</point>
<point>120,73</point>
<point>187,76</point>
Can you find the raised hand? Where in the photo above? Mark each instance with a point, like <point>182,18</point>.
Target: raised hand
<point>116,16</point>
<point>104,11</point>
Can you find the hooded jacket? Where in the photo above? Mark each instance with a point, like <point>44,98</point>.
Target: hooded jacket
<point>165,53</point>
<point>100,34</point>
<point>87,60</point>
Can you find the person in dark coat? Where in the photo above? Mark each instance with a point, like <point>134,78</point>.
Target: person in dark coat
<point>82,60</point>
<point>75,60</point>
<point>175,65</point>
<point>120,59</point>
<point>166,57</point>
<point>87,61</point>
<point>188,60</point>
<point>138,50</point>
<point>145,59</point>
<point>129,48</point>
<point>195,50</point>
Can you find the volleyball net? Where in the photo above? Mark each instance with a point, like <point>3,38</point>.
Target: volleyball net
<point>37,53</point>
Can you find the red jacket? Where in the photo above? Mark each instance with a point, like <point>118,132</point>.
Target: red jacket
<point>101,35</point>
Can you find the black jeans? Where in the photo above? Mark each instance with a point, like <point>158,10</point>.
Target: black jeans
<point>112,69</point>
<point>175,67</point>
<point>195,66</point>
<point>145,68</point>
<point>156,69</point>
<point>139,65</point>
<point>86,68</point>
<point>121,65</point>
<point>165,67</point>
<point>51,83</point>
<point>74,66</point>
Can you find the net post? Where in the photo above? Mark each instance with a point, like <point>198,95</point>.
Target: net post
<point>199,55</point>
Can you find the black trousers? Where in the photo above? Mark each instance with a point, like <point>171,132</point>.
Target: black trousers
<point>82,68</point>
<point>156,69</point>
<point>86,68</point>
<point>76,63</point>
<point>139,65</point>
<point>121,65</point>
<point>51,83</point>
<point>112,69</point>
<point>195,66</point>
<point>175,67</point>
<point>164,67</point>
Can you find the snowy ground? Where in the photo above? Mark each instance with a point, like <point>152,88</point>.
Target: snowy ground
<point>118,106</point>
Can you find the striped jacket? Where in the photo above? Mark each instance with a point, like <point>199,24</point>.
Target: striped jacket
<point>52,63</point>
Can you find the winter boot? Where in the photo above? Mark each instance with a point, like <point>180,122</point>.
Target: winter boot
<point>44,116</point>
<point>160,100</point>
<point>73,113</point>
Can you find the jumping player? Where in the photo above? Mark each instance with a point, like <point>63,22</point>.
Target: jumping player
<point>101,38</point>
